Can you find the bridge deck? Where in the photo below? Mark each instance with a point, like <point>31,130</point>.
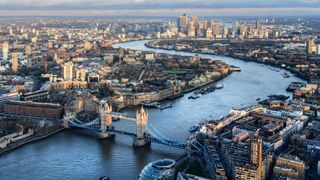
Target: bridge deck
<point>121,116</point>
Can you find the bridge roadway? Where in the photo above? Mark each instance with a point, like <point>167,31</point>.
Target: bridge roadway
<point>179,145</point>
<point>121,116</point>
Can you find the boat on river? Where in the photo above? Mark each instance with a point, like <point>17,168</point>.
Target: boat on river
<point>194,97</point>
<point>194,128</point>
<point>165,106</point>
<point>150,104</point>
<point>219,86</point>
<point>285,75</point>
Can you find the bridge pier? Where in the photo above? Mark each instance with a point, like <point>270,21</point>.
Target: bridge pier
<point>66,118</point>
<point>65,123</point>
<point>105,135</point>
<point>141,142</point>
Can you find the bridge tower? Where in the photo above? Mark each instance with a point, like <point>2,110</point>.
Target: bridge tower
<point>66,118</point>
<point>141,126</point>
<point>105,119</point>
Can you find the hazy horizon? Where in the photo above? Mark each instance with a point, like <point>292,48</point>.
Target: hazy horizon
<point>159,7</point>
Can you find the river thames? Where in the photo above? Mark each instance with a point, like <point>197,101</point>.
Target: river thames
<point>76,154</point>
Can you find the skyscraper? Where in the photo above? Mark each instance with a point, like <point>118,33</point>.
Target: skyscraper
<point>257,24</point>
<point>183,23</point>
<point>217,30</point>
<point>209,33</point>
<point>5,50</point>
<point>15,62</point>
<point>225,31</point>
<point>191,29</point>
<point>235,27</point>
<point>195,21</point>
<point>243,29</point>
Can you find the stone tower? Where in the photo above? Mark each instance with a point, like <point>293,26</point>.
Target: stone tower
<point>105,119</point>
<point>141,125</point>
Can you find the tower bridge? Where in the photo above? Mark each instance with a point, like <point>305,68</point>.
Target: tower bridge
<point>144,133</point>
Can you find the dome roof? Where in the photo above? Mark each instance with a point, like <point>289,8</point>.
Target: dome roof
<point>160,169</point>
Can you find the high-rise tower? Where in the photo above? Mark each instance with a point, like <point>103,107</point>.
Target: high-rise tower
<point>256,149</point>
<point>5,50</point>
<point>183,23</point>
<point>15,62</point>
<point>310,46</point>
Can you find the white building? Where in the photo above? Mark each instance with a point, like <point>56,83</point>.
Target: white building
<point>68,71</point>
<point>5,50</point>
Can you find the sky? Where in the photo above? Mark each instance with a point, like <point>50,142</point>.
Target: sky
<point>158,7</point>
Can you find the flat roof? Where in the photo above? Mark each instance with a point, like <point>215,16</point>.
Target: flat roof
<point>30,103</point>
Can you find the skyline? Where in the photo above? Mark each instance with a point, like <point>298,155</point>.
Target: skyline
<point>176,90</point>
<point>159,8</point>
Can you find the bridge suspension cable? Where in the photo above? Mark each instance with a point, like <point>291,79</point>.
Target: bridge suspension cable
<point>153,131</point>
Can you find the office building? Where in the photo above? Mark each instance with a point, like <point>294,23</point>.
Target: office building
<point>15,62</point>
<point>191,29</point>
<point>217,30</point>
<point>183,23</point>
<point>225,31</point>
<point>28,50</point>
<point>209,33</point>
<point>195,21</point>
<point>310,46</point>
<point>5,50</point>
<point>290,167</point>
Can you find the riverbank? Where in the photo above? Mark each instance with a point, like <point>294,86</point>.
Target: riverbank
<point>28,140</point>
<point>205,84</point>
<point>182,93</point>
<point>149,45</point>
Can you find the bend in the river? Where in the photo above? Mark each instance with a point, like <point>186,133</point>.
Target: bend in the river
<point>75,153</point>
